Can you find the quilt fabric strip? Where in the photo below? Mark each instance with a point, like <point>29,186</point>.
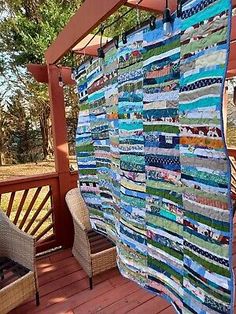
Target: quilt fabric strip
<point>132,244</point>
<point>152,160</point>
<point>112,179</point>
<point>164,215</point>
<point>205,172</point>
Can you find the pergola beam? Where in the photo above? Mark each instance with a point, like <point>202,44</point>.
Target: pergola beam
<point>158,6</point>
<point>86,19</point>
<point>94,44</point>
<point>89,16</point>
<point>40,73</point>
<point>151,5</point>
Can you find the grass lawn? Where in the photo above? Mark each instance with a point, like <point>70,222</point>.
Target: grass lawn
<point>22,170</point>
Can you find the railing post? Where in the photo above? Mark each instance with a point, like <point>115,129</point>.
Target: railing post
<point>224,110</point>
<point>63,222</point>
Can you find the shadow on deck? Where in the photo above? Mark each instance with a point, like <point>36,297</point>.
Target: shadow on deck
<point>64,289</point>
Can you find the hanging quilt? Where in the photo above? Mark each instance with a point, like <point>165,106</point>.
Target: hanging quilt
<point>153,165</point>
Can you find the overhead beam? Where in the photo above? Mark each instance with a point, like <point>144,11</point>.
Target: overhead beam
<point>87,17</point>
<point>79,26</point>
<point>40,73</point>
<point>158,6</point>
<point>153,5</point>
<point>94,44</point>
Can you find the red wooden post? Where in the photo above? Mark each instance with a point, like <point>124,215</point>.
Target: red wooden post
<point>63,222</point>
<point>225,109</point>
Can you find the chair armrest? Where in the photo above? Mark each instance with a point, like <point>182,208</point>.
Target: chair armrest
<point>81,241</point>
<point>79,224</point>
<point>16,244</point>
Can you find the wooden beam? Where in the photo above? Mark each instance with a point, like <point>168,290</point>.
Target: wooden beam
<point>153,5</point>
<point>79,26</point>
<point>232,152</point>
<point>88,17</point>
<point>232,55</point>
<point>91,49</point>
<point>61,153</point>
<point>158,6</point>
<point>233,29</point>
<point>40,73</point>
<point>231,74</point>
<point>61,150</point>
<point>232,66</point>
<point>224,111</point>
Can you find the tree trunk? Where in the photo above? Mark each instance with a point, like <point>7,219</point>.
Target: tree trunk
<point>44,133</point>
<point>2,159</point>
<point>45,125</point>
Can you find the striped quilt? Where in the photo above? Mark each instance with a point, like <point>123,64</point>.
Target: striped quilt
<point>153,165</point>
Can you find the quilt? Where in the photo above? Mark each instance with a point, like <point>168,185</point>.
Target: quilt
<point>152,159</point>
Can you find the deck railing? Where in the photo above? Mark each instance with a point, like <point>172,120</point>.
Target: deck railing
<point>232,154</point>
<point>35,205</point>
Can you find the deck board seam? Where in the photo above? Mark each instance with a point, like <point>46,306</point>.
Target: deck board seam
<point>135,306</point>
<point>97,296</point>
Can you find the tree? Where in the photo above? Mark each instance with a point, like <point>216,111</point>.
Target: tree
<point>24,140</point>
<point>4,134</point>
<point>27,28</point>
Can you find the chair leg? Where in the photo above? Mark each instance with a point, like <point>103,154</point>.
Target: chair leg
<point>37,298</point>
<point>91,283</point>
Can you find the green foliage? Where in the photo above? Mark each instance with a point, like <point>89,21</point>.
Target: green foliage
<point>23,138</point>
<point>27,33</point>
<point>27,28</point>
<point>128,22</point>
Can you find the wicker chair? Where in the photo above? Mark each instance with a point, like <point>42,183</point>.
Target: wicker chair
<point>94,251</point>
<point>18,278</point>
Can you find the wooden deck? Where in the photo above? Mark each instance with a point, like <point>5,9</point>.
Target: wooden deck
<point>64,289</point>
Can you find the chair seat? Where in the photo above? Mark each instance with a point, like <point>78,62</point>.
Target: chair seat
<point>10,271</point>
<point>98,242</point>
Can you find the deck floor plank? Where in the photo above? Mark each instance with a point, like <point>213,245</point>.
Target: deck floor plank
<point>64,289</point>
<point>152,306</point>
<point>83,294</point>
<point>45,267</point>
<point>169,310</point>
<point>131,300</point>
<point>59,256</point>
<point>103,300</point>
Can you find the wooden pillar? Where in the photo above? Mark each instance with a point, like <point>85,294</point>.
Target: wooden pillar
<point>63,222</point>
<point>225,108</point>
